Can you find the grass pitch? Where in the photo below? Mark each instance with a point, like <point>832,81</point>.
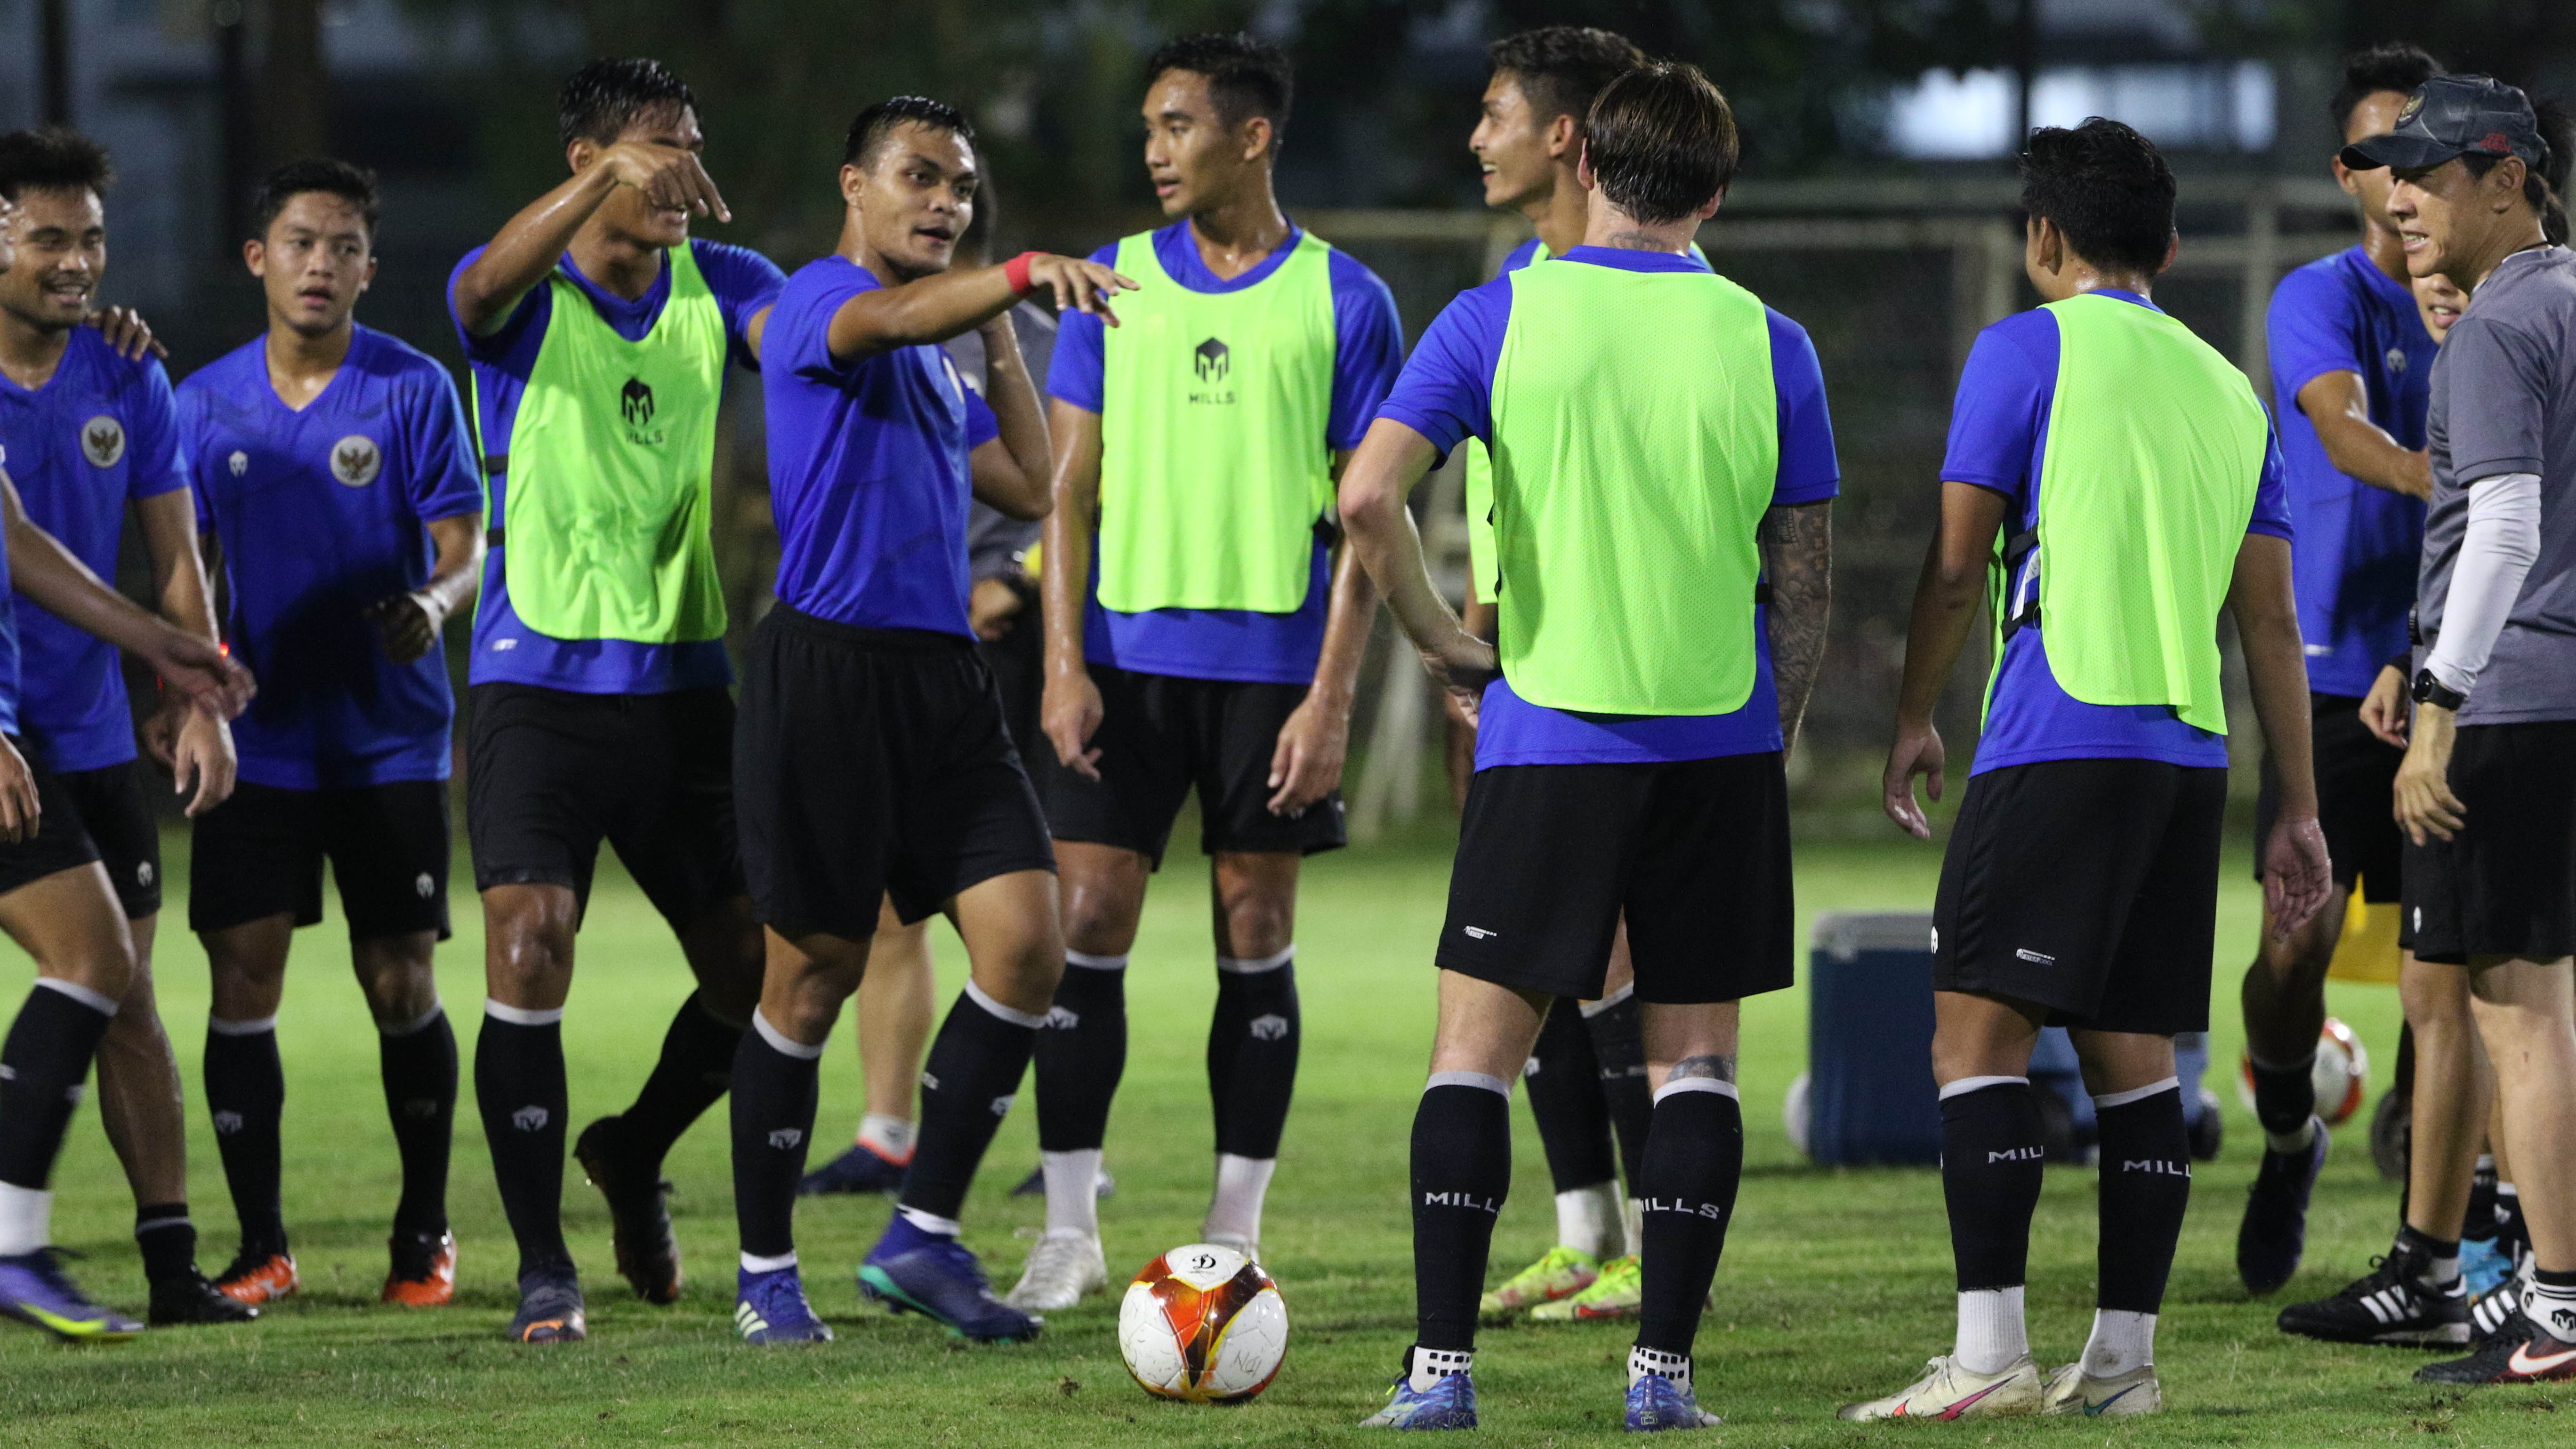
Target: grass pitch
<point>1836,1284</point>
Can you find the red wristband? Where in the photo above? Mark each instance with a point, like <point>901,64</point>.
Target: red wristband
<point>1016,272</point>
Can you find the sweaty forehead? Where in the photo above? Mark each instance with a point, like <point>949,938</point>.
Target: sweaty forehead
<point>910,142</point>
<point>73,208</point>
<point>1179,93</point>
<point>666,121</point>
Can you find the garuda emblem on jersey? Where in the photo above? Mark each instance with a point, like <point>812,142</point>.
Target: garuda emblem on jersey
<point>356,460</point>
<point>102,441</point>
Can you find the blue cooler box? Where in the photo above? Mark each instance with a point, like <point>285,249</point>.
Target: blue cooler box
<point>1869,1094</point>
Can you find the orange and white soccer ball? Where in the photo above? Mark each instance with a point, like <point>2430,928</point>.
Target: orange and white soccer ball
<point>1203,1324</point>
<point>2341,1074</point>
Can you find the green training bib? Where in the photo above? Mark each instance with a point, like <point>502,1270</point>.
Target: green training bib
<point>2155,448</point>
<point>1629,486</point>
<point>611,472</point>
<point>1213,463</point>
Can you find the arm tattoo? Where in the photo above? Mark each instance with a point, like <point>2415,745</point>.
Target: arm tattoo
<point>1717,1067</point>
<point>1798,555</point>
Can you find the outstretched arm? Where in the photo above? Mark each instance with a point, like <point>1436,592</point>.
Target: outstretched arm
<point>935,309</point>
<point>1380,475</point>
<point>530,243</point>
<point>1798,557</point>
<point>1946,600</point>
<point>54,576</point>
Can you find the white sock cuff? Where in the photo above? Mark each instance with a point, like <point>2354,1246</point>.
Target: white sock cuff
<point>1595,1008</point>
<point>2506,1189</point>
<point>26,1219</point>
<point>751,1264</point>
<point>261,1027</point>
<point>416,1025</point>
<point>1030,1019</point>
<point>1495,1085</point>
<point>1095,963</point>
<point>99,1002</point>
<point>781,1043</point>
<point>520,1015</point>
<point>1697,1084</point>
<point>1965,1085</point>
<point>2136,1094</point>
<point>1644,1361</point>
<point>1254,966</point>
<point>931,1222</point>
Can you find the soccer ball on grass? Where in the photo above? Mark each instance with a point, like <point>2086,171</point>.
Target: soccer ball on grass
<point>1203,1324</point>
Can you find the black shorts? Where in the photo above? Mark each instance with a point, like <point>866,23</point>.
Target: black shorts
<point>2089,887</point>
<point>59,844</point>
<point>1160,736</point>
<point>874,763</point>
<point>260,854</point>
<point>2356,796</point>
<point>1696,853</point>
<point>550,774</point>
<point>1018,662</point>
<point>2505,885</point>
<point>112,808</point>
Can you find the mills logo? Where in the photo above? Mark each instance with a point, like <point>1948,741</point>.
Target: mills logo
<point>102,441</point>
<point>356,460</point>
<point>1213,364</point>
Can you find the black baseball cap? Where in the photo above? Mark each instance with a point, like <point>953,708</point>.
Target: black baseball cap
<point>2454,115</point>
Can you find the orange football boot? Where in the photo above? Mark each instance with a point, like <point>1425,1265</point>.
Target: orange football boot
<point>259,1280</point>
<point>429,1283</point>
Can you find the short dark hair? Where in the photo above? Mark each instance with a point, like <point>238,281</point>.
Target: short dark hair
<point>1246,77</point>
<point>877,122</point>
<point>2399,65</point>
<point>2106,187</point>
<point>355,185</point>
<point>1561,68</point>
<point>2544,186</point>
<point>1662,141</point>
<point>606,96</point>
<point>53,158</point>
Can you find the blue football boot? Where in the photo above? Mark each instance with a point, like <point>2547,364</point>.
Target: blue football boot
<point>912,1271</point>
<point>2274,1233</point>
<point>1657,1403</point>
<point>35,1290</point>
<point>1450,1403</point>
<point>770,1307</point>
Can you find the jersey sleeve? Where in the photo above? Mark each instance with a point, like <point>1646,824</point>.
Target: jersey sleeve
<point>1808,470</point>
<point>1077,369</point>
<point>2271,494</point>
<point>2506,372</point>
<point>744,282</point>
<point>513,330</point>
<point>800,331</point>
<point>2313,327</point>
<point>1994,423</point>
<point>1446,390</point>
<point>158,462</point>
<point>981,425</point>
<point>1368,351</point>
<point>192,453</point>
<point>446,479</point>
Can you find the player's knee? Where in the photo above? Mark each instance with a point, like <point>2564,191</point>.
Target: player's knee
<point>399,979</point>
<point>1260,925</point>
<point>527,955</point>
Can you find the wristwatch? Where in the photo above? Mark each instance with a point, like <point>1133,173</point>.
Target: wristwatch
<point>2429,690</point>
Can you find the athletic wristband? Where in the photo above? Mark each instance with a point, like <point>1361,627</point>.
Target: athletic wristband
<point>1016,272</point>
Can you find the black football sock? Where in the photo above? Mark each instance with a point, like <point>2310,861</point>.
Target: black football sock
<point>1991,1159</point>
<point>775,1084</point>
<point>1619,1045</point>
<point>168,1240</point>
<point>44,1065</point>
<point>2285,1097</point>
<point>692,1074</point>
<point>2513,1232</point>
<point>246,1097</point>
<point>967,1083</point>
<point>1462,1168</point>
<point>2146,1187</point>
<point>2481,1223</point>
<point>418,1063</point>
<point>1252,1053</point>
<point>519,1089</point>
<point>1081,1052</point>
<point>2431,1261</point>
<point>1694,1162</point>
<point>1564,1082</point>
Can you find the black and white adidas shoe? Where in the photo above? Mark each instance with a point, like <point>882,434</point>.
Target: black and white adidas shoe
<point>2391,1305</point>
<point>2492,1310</point>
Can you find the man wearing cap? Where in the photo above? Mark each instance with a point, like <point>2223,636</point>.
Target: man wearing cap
<point>2487,792</point>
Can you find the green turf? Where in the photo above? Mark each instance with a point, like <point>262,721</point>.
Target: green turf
<point>1836,1284</point>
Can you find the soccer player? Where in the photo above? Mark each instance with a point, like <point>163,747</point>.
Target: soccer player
<point>2488,786</point>
<point>2117,479</point>
<point>91,435</point>
<point>599,331</point>
<point>56,901</point>
<point>335,473</point>
<point>1661,532</point>
<point>2351,364</point>
<point>873,764</point>
<point>1587,1072</point>
<point>1199,633</point>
